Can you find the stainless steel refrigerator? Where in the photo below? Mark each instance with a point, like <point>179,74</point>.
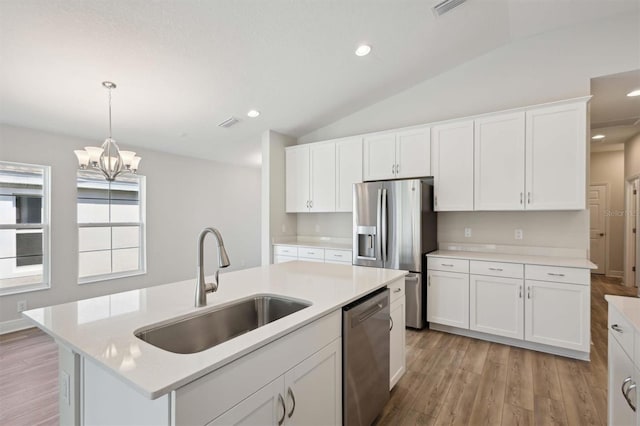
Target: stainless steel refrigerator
<point>394,225</point>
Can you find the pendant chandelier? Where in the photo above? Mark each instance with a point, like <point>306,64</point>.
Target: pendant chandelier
<point>108,159</point>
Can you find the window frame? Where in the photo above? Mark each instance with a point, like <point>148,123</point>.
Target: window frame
<point>45,225</point>
<point>142,249</point>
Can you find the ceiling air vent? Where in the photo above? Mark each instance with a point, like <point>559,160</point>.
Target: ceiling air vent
<point>228,122</point>
<point>445,6</point>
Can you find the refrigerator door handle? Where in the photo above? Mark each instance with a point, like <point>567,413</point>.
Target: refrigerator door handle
<point>383,229</point>
<point>378,253</point>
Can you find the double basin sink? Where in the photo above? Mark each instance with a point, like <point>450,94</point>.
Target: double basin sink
<point>199,332</point>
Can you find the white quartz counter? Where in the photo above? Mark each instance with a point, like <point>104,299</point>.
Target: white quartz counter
<point>103,328</point>
<point>568,262</point>
<point>629,307</point>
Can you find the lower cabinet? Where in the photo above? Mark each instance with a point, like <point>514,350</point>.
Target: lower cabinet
<point>622,396</point>
<point>557,314</point>
<point>448,298</point>
<point>496,306</point>
<point>397,350</point>
<point>308,394</point>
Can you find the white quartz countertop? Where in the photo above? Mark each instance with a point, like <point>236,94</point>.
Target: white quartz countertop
<point>317,244</point>
<point>103,328</point>
<point>568,262</point>
<point>629,307</point>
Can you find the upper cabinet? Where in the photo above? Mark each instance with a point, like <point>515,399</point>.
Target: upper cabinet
<point>348,171</point>
<point>556,142</point>
<point>310,178</point>
<point>453,166</point>
<point>499,162</point>
<point>397,155</point>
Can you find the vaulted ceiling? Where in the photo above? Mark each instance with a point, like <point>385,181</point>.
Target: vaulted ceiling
<point>182,67</point>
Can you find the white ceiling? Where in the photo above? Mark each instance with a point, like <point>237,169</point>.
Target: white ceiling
<point>613,113</point>
<point>184,66</point>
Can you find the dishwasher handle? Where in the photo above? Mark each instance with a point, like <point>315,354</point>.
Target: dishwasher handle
<point>369,313</point>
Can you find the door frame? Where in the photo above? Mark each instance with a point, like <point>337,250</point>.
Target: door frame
<point>607,202</point>
<point>629,223</point>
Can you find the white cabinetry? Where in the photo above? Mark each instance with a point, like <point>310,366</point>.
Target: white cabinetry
<point>448,298</point>
<point>556,140</point>
<point>497,306</point>
<point>397,335</point>
<point>534,306</point>
<point>397,155</point>
<point>624,369</point>
<point>283,254</point>
<point>452,161</point>
<point>499,162</point>
<point>265,407</point>
<point>310,178</point>
<point>348,171</point>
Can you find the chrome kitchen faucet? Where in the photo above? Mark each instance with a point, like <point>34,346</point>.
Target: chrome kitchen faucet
<point>202,287</point>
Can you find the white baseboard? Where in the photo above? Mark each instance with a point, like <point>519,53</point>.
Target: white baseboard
<point>615,274</point>
<point>15,325</point>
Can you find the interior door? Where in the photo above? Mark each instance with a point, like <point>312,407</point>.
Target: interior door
<point>597,206</point>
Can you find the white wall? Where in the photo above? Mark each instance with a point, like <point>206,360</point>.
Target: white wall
<point>547,67</point>
<point>184,195</point>
<point>276,223</point>
<point>632,157</point>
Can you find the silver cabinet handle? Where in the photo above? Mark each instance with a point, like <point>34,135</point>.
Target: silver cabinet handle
<point>337,255</point>
<point>521,195</point>
<point>393,169</point>
<point>311,203</point>
<point>397,168</point>
<point>520,293</point>
<point>284,410</point>
<point>308,204</point>
<point>617,328</point>
<point>626,396</point>
<point>528,197</point>
<point>391,326</point>
<point>496,269</point>
<point>555,274</point>
<point>450,265</point>
<point>435,201</point>
<point>429,280</point>
<point>397,290</point>
<point>293,400</point>
<point>529,292</point>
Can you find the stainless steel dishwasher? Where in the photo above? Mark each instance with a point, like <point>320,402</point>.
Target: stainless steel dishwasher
<point>365,344</point>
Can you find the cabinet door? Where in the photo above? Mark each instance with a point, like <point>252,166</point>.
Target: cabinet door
<point>496,306</point>
<point>557,314</point>
<point>379,156</point>
<point>322,158</point>
<point>448,298</point>
<point>397,359</point>
<point>621,371</point>
<point>313,388</point>
<point>297,179</point>
<point>413,153</point>
<point>556,140</point>
<point>265,407</point>
<point>348,171</point>
<point>283,259</point>
<point>499,162</point>
<point>452,161</point>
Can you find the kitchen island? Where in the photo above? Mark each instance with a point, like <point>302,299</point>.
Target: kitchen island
<point>110,376</point>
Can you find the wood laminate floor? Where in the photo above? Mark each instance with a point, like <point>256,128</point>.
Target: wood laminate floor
<point>449,380</point>
<point>455,380</point>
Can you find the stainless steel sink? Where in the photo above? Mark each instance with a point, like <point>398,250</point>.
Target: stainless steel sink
<point>193,334</point>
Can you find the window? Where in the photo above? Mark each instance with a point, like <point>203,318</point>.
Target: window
<point>111,232</point>
<point>24,227</point>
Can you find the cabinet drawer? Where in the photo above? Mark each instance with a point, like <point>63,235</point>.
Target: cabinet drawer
<point>311,253</point>
<point>621,330</point>
<point>397,290</point>
<point>283,259</point>
<point>291,251</point>
<point>331,255</point>
<point>497,269</point>
<point>448,264</point>
<point>557,274</point>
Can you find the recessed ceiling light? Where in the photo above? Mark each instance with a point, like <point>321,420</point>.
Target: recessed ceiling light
<point>634,93</point>
<point>597,137</point>
<point>253,113</point>
<point>363,50</point>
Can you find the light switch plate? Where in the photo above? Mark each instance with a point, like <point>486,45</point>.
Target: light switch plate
<point>518,234</point>
<point>467,232</point>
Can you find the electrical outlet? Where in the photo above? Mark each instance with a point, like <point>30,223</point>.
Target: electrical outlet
<point>467,232</point>
<point>22,305</point>
<point>518,234</point>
